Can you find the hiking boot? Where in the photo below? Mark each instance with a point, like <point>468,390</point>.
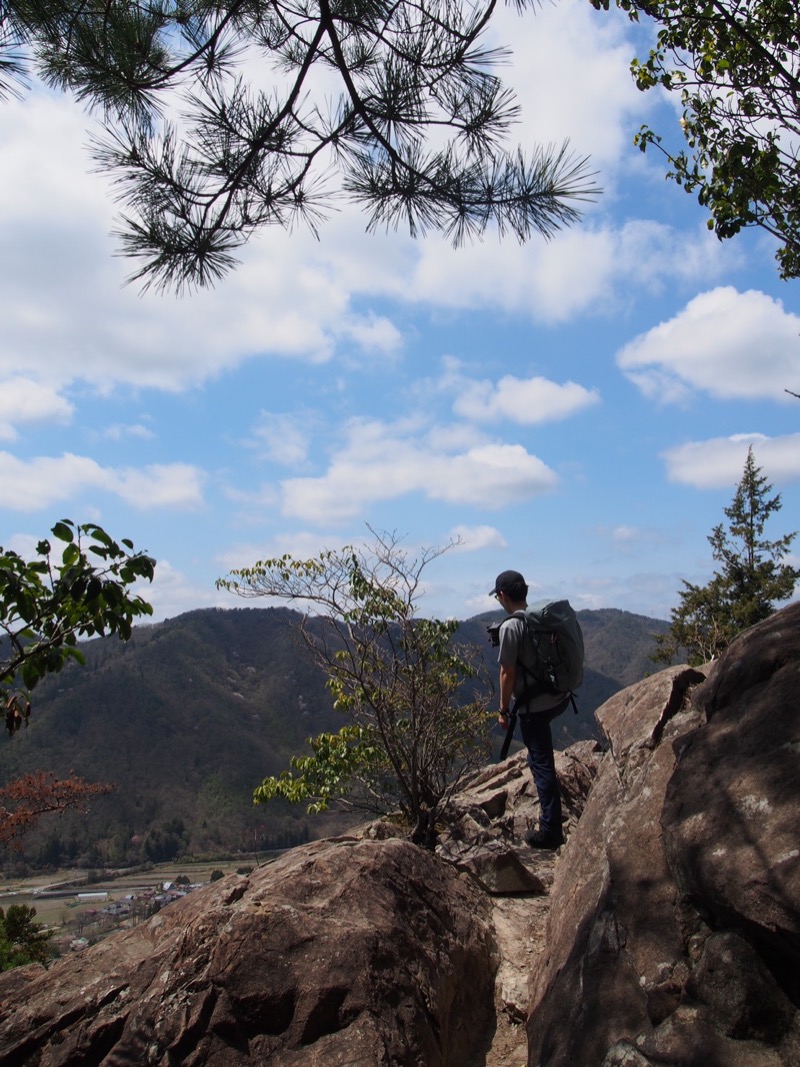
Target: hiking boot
<point>539,839</point>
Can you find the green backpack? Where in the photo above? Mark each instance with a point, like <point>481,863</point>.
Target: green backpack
<point>555,632</point>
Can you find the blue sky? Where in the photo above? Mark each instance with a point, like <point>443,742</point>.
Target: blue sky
<point>579,409</point>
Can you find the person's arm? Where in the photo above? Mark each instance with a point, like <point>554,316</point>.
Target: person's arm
<point>507,658</point>
<point>508,673</point>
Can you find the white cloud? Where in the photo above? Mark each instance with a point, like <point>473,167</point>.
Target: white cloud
<point>24,544</point>
<point>26,401</point>
<point>159,485</point>
<point>719,462</point>
<point>586,54</point>
<point>252,501</point>
<point>120,432</point>
<point>280,437</point>
<point>475,605</point>
<point>373,333</point>
<point>66,315</point>
<point>528,401</point>
<point>726,343</point>
<point>31,485</point>
<point>172,593</point>
<point>382,462</point>
<point>477,538</point>
<point>595,266</point>
<point>454,437</point>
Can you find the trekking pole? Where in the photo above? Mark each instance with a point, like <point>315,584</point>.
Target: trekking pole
<point>512,723</point>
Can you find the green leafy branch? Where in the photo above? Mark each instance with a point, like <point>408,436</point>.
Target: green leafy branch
<point>77,588</point>
<point>348,767</point>
<point>736,66</point>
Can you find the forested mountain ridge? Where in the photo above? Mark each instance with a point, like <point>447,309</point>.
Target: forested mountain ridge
<point>188,717</point>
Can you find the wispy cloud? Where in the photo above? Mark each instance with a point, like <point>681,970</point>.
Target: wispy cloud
<point>120,432</point>
<point>280,437</point>
<point>719,462</point>
<point>35,484</point>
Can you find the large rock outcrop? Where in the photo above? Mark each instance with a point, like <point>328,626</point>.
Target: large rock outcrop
<point>352,952</point>
<point>666,933</point>
<point>674,928</point>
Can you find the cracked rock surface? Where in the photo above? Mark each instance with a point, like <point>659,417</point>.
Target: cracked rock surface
<point>342,952</point>
<point>673,936</point>
<point>664,933</point>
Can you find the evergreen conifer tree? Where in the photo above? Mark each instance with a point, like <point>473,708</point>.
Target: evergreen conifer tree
<point>750,582</point>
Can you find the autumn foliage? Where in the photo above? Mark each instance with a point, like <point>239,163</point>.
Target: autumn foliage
<point>25,800</point>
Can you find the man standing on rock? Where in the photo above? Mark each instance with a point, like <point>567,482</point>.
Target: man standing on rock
<point>535,709</point>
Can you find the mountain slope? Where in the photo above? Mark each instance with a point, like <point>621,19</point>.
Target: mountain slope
<point>190,715</point>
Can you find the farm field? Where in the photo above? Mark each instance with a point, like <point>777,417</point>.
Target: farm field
<point>56,896</point>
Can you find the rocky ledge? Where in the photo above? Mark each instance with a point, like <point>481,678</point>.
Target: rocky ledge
<point>666,931</point>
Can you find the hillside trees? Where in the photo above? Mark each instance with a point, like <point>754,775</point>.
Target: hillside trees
<point>79,587</point>
<point>736,66</point>
<point>749,583</point>
<point>391,105</point>
<point>414,725</point>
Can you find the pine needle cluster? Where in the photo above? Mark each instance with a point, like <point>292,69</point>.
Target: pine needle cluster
<point>223,118</point>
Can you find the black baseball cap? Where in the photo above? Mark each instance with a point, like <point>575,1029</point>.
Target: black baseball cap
<point>507,581</point>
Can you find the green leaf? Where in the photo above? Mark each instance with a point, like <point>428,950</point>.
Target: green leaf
<point>70,555</point>
<point>63,531</point>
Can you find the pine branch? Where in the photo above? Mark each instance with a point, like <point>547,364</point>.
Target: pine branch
<point>417,136</point>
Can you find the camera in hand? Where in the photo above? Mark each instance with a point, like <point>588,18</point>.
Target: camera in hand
<point>493,630</point>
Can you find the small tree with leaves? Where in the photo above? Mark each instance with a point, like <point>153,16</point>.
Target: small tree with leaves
<point>80,589</point>
<point>414,725</point>
<point>48,603</point>
<point>22,939</point>
<point>751,581</point>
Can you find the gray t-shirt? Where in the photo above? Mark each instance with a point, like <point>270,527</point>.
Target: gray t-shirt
<point>516,648</point>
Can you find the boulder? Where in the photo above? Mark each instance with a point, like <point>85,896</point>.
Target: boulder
<point>665,932</point>
<point>356,952</point>
<point>502,873</point>
<point>673,935</point>
<point>499,802</point>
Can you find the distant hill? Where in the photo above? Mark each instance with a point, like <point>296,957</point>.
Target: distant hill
<point>190,715</point>
<point>619,644</point>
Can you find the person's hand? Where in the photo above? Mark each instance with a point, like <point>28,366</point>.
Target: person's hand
<point>503,719</point>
